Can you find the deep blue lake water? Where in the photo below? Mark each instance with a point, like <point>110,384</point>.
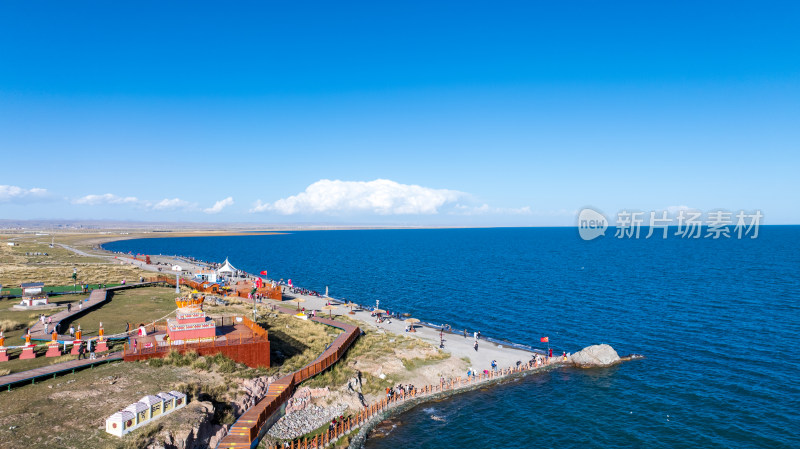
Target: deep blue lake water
<point>718,320</point>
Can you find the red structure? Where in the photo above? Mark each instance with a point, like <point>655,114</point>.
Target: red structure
<point>190,326</point>
<point>236,337</point>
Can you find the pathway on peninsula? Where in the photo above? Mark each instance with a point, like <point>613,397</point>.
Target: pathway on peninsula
<point>455,344</point>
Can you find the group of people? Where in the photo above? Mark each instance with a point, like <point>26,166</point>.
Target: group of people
<point>84,349</point>
<point>400,388</point>
<point>335,422</point>
<point>302,291</point>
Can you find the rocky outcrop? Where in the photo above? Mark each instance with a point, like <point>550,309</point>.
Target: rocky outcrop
<point>303,396</point>
<point>251,391</point>
<point>304,421</point>
<point>194,430</point>
<point>595,356</point>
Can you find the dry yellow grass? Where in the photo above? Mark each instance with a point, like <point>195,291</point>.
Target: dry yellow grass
<point>56,269</point>
<point>10,325</point>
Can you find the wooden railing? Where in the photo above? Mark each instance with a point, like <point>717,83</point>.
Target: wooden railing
<point>248,429</point>
<point>353,422</point>
<point>257,334</point>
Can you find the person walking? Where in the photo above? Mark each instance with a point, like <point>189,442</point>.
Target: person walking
<point>81,353</point>
<point>71,331</point>
<point>69,307</point>
<point>476,345</point>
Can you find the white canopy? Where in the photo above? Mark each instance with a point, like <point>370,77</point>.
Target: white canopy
<point>226,267</point>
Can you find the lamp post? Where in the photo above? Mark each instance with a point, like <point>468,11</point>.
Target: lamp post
<point>253,296</point>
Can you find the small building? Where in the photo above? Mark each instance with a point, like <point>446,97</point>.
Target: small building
<point>206,276</point>
<point>140,413</point>
<point>33,294</point>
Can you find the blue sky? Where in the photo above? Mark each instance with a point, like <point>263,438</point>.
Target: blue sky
<point>409,113</point>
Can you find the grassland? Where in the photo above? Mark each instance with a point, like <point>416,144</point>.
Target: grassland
<point>56,268</point>
<point>70,411</point>
<point>134,306</point>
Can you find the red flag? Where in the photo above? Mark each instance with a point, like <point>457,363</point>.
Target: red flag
<point>264,272</point>
<point>545,339</point>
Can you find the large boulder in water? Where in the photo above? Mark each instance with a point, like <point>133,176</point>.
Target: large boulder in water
<point>595,355</point>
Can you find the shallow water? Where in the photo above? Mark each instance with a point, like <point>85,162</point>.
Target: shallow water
<point>717,320</point>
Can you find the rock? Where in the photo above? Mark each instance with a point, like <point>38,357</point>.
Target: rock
<point>595,356</point>
<point>300,422</point>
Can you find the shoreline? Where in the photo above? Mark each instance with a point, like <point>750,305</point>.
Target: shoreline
<point>451,332</point>
<point>360,438</point>
<point>505,352</point>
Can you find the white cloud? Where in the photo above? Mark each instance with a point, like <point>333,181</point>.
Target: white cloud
<point>107,198</point>
<point>219,205</point>
<point>485,209</point>
<point>173,204</point>
<point>14,194</point>
<point>381,196</point>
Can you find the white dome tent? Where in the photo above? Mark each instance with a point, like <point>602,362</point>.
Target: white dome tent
<point>227,269</point>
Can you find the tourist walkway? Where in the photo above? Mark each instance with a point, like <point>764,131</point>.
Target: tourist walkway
<point>456,344</point>
<point>96,297</point>
<point>6,382</point>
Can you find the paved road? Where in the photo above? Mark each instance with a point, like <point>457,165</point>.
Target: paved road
<point>455,344</point>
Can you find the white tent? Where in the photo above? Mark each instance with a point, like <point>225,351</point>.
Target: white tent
<point>226,268</point>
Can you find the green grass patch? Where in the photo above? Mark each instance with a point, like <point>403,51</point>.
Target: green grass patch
<point>134,306</point>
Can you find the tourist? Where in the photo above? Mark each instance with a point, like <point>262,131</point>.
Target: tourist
<point>69,307</point>
<point>81,353</point>
<point>476,345</point>
<point>71,331</point>
<point>494,365</point>
<point>80,305</point>
<point>45,328</point>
